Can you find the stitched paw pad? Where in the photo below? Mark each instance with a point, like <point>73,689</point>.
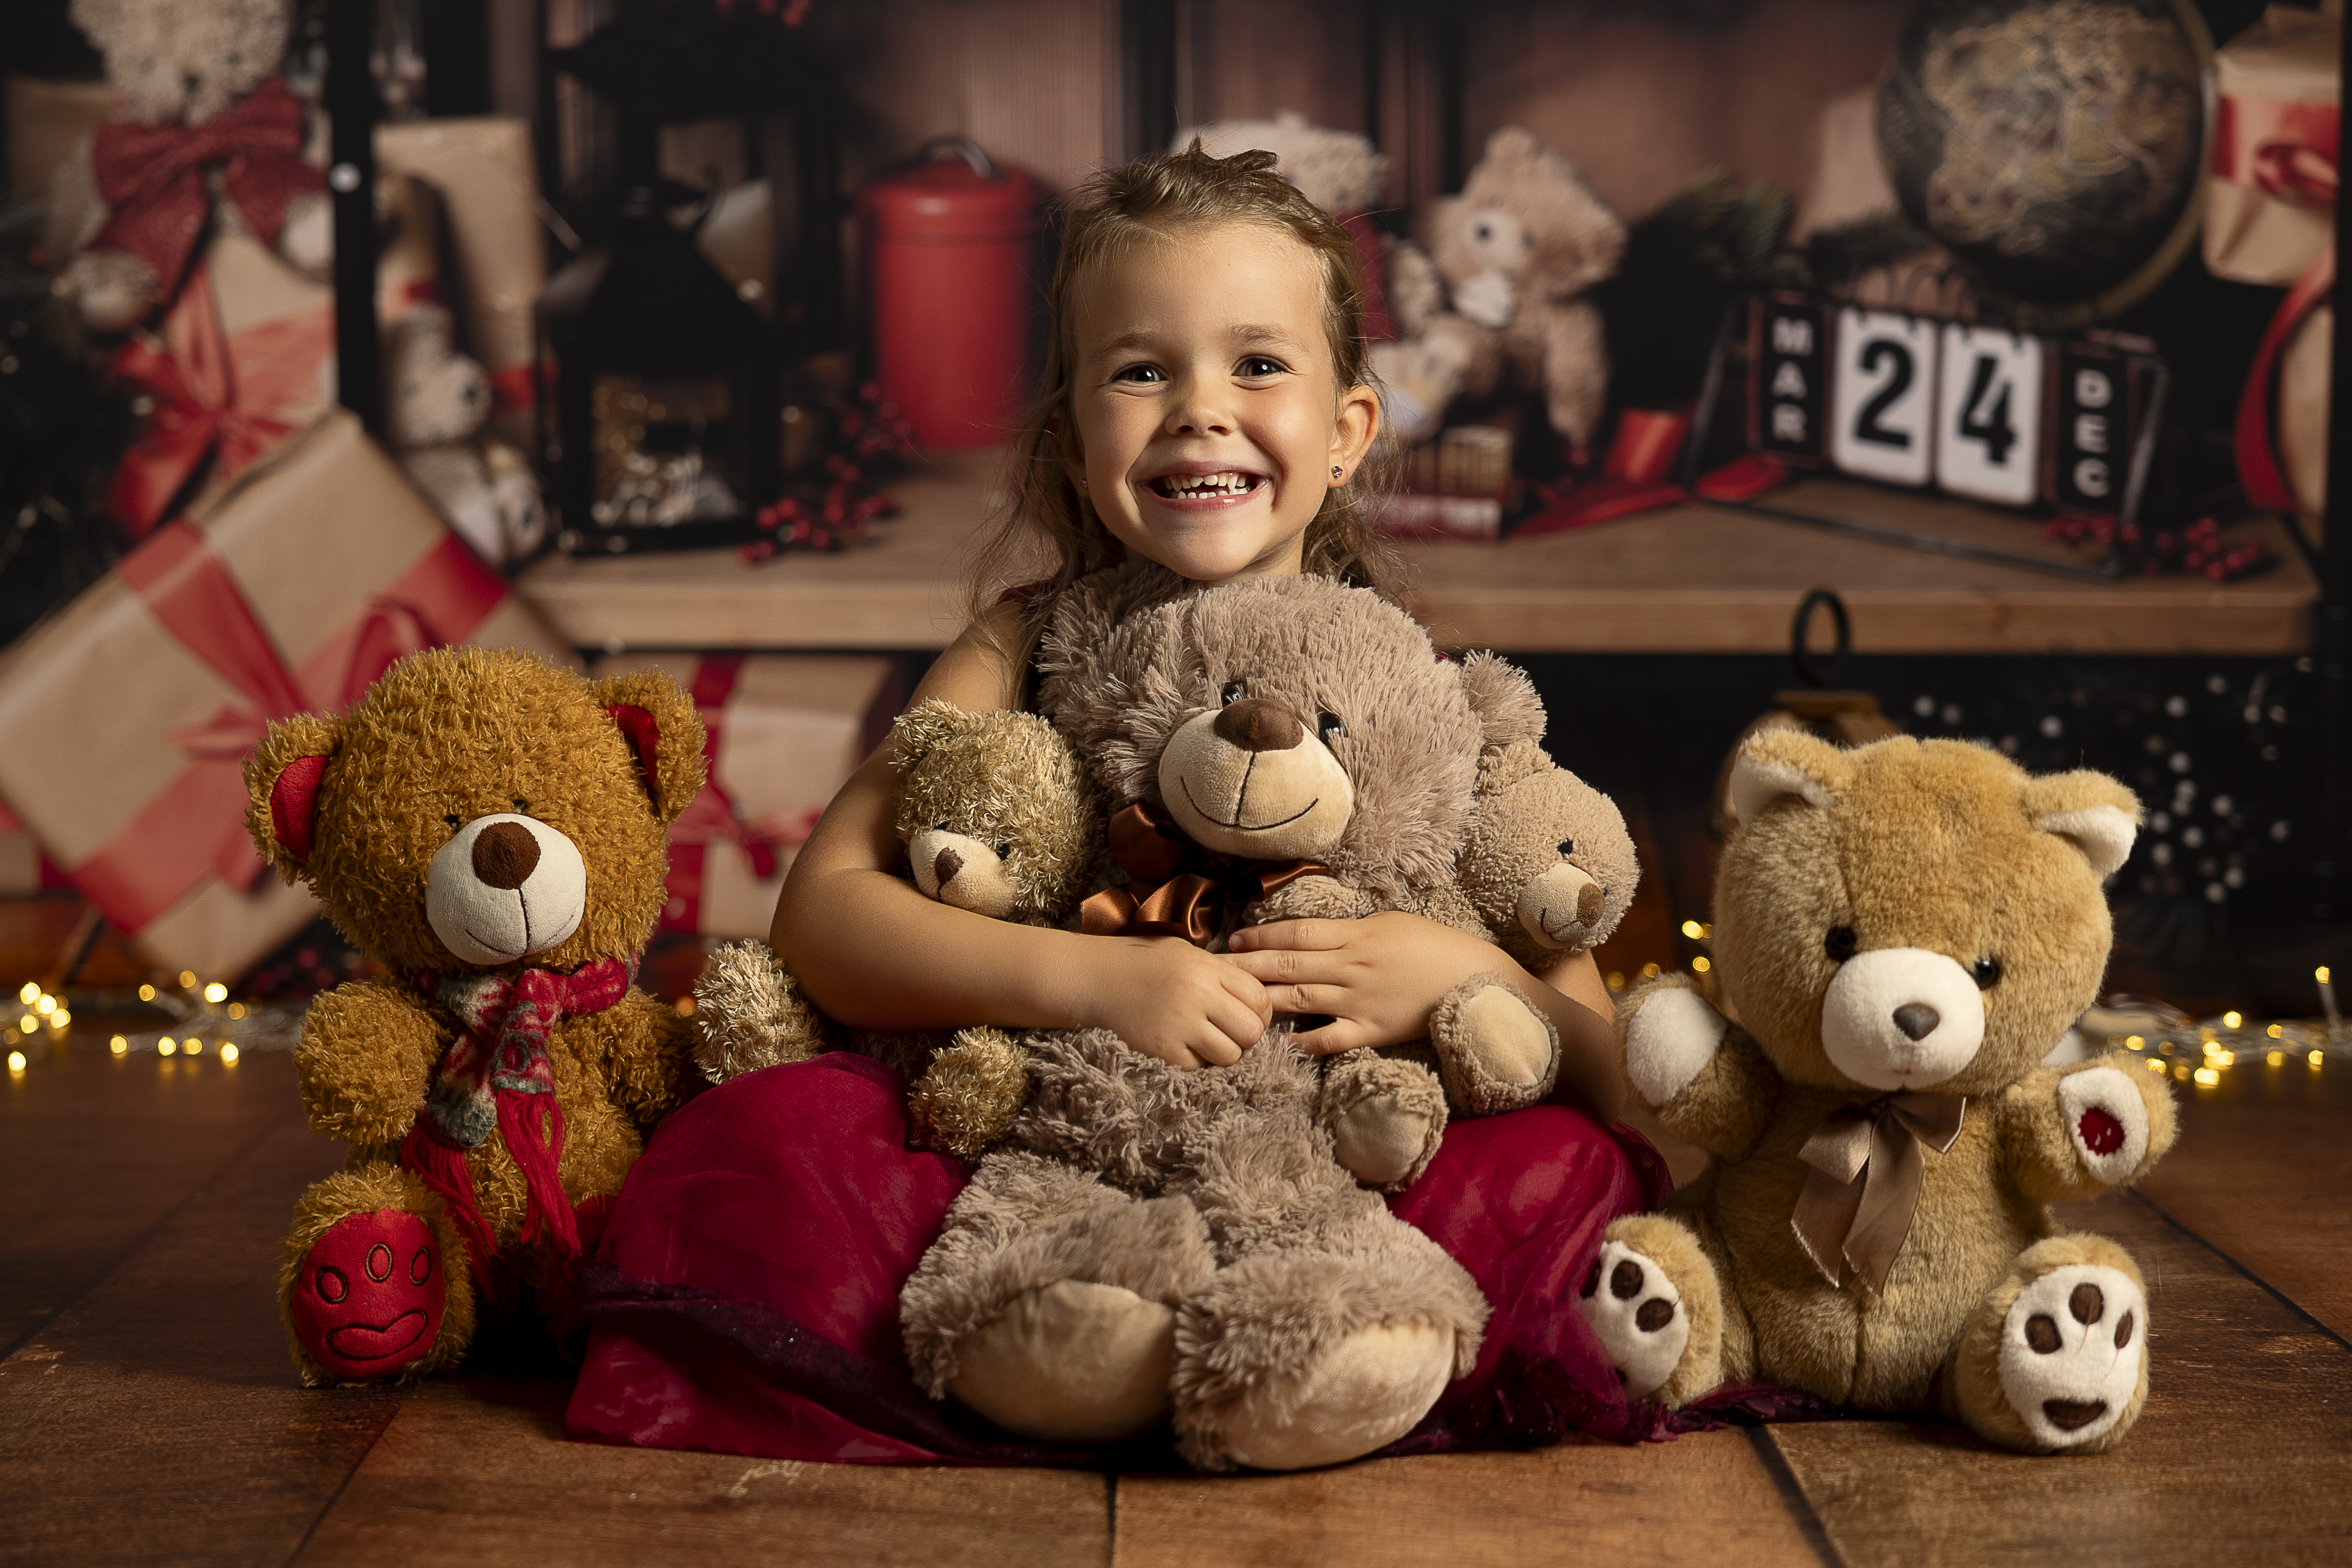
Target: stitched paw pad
<point>1637,1314</point>
<point>369,1298</point>
<point>2071,1352</point>
<point>2108,1121</point>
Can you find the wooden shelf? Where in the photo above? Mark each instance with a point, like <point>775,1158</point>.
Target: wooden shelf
<point>1688,579</point>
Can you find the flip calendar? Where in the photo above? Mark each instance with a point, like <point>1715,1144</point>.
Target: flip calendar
<point>1883,396</point>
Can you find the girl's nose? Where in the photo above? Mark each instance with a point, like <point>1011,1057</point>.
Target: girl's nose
<point>1198,412</point>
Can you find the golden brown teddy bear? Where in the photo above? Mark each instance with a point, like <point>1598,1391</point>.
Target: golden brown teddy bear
<point>1904,931</point>
<point>491,828</point>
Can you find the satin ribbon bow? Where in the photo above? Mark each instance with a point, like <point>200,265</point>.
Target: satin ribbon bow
<point>1176,888</point>
<point>152,176</point>
<point>1863,1187</point>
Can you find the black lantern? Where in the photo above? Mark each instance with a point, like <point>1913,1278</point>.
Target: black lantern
<point>666,390</point>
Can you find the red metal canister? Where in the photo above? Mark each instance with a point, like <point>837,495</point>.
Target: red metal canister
<point>948,245</point>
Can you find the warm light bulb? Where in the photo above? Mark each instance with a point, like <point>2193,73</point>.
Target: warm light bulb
<point>15,1061</point>
<point>1616,980</point>
<point>685,1006</point>
<point>146,993</point>
<point>192,1045</point>
<point>28,1023</point>
<point>2232,1020</point>
<point>228,1050</point>
<point>216,992</point>
<point>1701,964</point>
<point>29,993</point>
<point>1649,972</point>
<point>237,1009</point>
<point>2276,1032</point>
<point>2317,1057</point>
<point>118,1045</point>
<point>2156,1064</point>
<point>167,1045</point>
<point>187,980</point>
<point>2276,1059</point>
<point>1691,930</point>
<point>2136,1042</point>
<point>2207,1076</point>
<point>45,1006</point>
<point>60,1018</point>
<point>2225,1058</point>
<point>2320,974</point>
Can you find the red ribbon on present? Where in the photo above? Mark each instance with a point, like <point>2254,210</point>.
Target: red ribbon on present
<point>712,816</point>
<point>215,397</point>
<point>152,177</point>
<point>2288,152</point>
<point>516,386</point>
<point>193,827</point>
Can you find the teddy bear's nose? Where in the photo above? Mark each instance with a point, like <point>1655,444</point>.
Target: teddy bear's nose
<point>944,869</point>
<point>505,855</point>
<point>1588,904</point>
<point>1916,1019</point>
<point>1256,725</point>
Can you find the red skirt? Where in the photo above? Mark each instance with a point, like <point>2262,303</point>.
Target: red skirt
<point>745,1298</point>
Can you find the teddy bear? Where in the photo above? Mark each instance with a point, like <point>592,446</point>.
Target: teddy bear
<point>1903,931</point>
<point>202,113</point>
<point>999,816</point>
<point>1149,1241</point>
<point>439,399</point>
<point>490,828</point>
<point>1340,171</point>
<point>1493,295</point>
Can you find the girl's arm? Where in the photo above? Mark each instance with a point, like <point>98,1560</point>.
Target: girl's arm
<point>1379,977</point>
<point>871,951</point>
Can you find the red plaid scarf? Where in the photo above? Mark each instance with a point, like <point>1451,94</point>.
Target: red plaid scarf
<point>496,1075</point>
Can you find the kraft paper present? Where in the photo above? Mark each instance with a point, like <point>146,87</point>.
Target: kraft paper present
<point>784,731</point>
<point>2269,204</point>
<point>130,711</point>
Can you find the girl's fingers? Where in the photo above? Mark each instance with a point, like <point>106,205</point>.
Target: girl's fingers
<point>1339,1035</point>
<point>1294,935</point>
<point>1308,998</point>
<point>1217,1053</point>
<point>1287,966</point>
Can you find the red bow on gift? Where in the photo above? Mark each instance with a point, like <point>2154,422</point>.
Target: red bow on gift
<point>212,397</point>
<point>712,816</point>
<point>152,176</point>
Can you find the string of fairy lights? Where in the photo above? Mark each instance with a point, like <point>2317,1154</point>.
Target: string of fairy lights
<point>199,1020</point>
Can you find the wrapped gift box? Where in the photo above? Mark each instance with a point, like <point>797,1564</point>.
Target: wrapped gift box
<point>45,120</point>
<point>129,712</point>
<point>2270,207</point>
<point>785,730</point>
<point>488,183</point>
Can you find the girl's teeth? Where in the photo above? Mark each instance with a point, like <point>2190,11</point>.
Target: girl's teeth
<point>1193,484</point>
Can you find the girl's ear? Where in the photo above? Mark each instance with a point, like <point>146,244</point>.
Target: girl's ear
<point>283,778</point>
<point>663,730</point>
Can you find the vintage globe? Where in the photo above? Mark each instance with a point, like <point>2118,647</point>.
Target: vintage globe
<point>2052,145</point>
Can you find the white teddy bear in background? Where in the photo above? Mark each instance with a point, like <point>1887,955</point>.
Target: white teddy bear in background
<point>438,401</point>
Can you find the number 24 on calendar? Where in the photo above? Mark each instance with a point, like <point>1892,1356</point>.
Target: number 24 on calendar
<point>1913,401</point>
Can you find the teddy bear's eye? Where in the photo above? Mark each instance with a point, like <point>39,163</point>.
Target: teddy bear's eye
<point>1330,727</point>
<point>522,806</point>
<point>1484,231</point>
<point>1839,944</point>
<point>1986,973</point>
<point>1568,845</point>
<point>453,820</point>
<point>1231,691</point>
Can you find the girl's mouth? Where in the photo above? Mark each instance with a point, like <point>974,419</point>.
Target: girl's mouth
<point>1230,484</point>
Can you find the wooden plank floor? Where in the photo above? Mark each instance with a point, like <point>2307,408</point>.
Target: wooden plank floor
<point>147,1413</point>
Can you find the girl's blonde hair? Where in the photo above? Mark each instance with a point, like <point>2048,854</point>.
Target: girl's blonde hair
<point>1111,212</point>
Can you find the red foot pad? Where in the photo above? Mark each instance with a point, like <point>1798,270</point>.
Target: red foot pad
<point>2100,1131</point>
<point>369,1299</point>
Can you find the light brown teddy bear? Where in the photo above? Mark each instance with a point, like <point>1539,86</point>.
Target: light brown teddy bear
<point>1153,1241</point>
<point>490,828</point>
<point>204,129</point>
<point>1905,931</point>
<point>998,818</point>
<point>1496,297</point>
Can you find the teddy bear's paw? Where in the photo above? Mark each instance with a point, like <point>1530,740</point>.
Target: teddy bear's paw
<point>1488,299</point>
<point>748,1013</point>
<point>969,1094</point>
<point>1670,1038</point>
<point>113,289</point>
<point>367,1299</point>
<point>2106,1120</point>
<point>1496,1049</point>
<point>2073,1356</point>
<point>1385,1117</point>
<point>1072,1362</point>
<point>1636,1312</point>
<point>1365,1391</point>
<point>307,237</point>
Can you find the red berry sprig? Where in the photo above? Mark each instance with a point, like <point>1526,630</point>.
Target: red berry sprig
<point>825,510</point>
<point>2198,548</point>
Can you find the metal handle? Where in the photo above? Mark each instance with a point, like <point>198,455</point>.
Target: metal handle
<point>963,147</point>
<point>1839,656</point>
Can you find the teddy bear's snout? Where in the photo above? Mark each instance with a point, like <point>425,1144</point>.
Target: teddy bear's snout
<point>1901,1018</point>
<point>1559,908</point>
<point>1252,779</point>
<point>1256,725</point>
<point>504,887</point>
<point>959,870</point>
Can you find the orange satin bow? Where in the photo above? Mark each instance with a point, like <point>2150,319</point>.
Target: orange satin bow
<point>1175,887</point>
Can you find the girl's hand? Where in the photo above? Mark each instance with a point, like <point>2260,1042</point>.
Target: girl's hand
<point>1169,999</point>
<point>1377,978</point>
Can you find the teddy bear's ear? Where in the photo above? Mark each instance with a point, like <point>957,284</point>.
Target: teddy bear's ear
<point>1775,765</point>
<point>921,728</point>
<point>2098,813</point>
<point>1512,142</point>
<point>662,729</point>
<point>1504,699</point>
<point>282,779</point>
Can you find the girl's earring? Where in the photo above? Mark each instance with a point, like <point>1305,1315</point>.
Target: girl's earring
<point>1335,470</point>
<point>1082,484</point>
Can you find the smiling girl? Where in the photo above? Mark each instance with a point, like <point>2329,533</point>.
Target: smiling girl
<point>1205,407</point>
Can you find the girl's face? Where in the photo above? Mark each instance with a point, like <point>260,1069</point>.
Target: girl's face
<point>1208,413</point>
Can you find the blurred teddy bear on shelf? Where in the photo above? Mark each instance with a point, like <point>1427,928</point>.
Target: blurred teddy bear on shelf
<point>438,400</point>
<point>1338,171</point>
<point>1493,295</point>
<point>206,131</point>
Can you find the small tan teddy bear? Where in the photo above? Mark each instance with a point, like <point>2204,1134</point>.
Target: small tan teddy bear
<point>1495,296</point>
<point>1905,931</point>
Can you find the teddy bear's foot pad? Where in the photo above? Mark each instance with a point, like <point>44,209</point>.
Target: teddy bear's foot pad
<point>1637,1314</point>
<point>1363,1394</point>
<point>1496,1049</point>
<point>1072,1362</point>
<point>2071,1352</point>
<point>370,1296</point>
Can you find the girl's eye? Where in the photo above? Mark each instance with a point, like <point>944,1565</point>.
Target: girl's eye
<point>1143,372</point>
<point>1257,366</point>
<point>1229,693</point>
<point>1568,845</point>
<point>1986,973</point>
<point>1839,944</point>
<point>1330,727</point>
